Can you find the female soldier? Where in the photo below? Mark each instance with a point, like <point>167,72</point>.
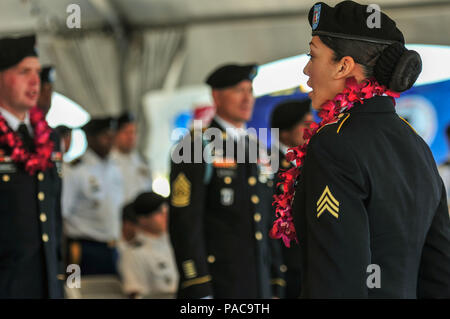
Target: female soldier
<point>369,210</point>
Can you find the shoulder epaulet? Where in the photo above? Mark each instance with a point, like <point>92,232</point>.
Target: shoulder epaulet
<point>340,121</point>
<point>76,162</point>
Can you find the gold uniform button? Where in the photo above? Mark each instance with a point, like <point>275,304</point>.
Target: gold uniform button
<point>257,217</point>
<point>252,181</point>
<point>40,176</point>
<point>45,238</point>
<point>270,183</point>
<point>227,180</point>
<point>255,199</point>
<point>283,268</point>
<point>6,178</point>
<point>211,259</point>
<point>43,217</point>
<point>258,235</point>
<point>41,196</point>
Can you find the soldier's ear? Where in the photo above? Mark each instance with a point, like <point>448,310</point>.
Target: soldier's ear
<point>216,95</point>
<point>344,68</point>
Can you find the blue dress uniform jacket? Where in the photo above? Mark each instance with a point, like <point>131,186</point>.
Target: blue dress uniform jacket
<point>370,210</point>
<point>219,228</point>
<point>30,230</point>
<point>291,256</point>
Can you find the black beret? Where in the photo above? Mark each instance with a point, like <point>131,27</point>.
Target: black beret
<point>148,203</point>
<point>230,75</point>
<point>289,113</point>
<point>48,74</point>
<point>349,20</point>
<point>128,213</point>
<point>99,125</point>
<point>14,50</point>
<point>125,118</point>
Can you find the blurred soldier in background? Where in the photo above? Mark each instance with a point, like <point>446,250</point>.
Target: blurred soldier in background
<point>30,186</point>
<point>45,96</point>
<point>444,169</point>
<point>291,118</point>
<point>92,201</point>
<point>135,171</point>
<point>65,135</point>
<point>221,210</point>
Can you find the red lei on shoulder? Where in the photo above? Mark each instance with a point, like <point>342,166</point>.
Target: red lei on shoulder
<point>39,160</point>
<point>283,227</point>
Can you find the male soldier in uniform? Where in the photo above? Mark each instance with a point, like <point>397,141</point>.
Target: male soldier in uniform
<point>30,185</point>
<point>221,205</point>
<point>45,97</point>
<point>291,118</point>
<point>135,171</point>
<point>92,201</point>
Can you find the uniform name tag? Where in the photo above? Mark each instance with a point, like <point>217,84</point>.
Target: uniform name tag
<point>7,168</point>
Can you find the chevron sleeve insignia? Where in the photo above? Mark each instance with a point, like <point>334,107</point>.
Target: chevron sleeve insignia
<point>181,193</point>
<point>327,202</point>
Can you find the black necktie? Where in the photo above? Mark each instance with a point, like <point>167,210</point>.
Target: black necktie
<point>26,137</point>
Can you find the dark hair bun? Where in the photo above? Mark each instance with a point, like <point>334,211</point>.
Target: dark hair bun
<point>398,68</point>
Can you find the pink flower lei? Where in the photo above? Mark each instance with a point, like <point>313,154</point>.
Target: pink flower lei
<point>39,160</point>
<point>283,227</point>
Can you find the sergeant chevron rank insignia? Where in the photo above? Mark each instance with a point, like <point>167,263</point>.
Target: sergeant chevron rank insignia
<point>327,202</point>
<point>181,191</point>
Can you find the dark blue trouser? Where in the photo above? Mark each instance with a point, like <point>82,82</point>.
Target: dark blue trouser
<point>94,258</point>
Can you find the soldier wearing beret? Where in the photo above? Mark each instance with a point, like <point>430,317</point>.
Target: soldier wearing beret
<point>92,201</point>
<point>291,117</point>
<point>45,95</point>
<point>220,210</point>
<point>135,170</point>
<point>147,263</point>
<point>30,185</point>
<point>370,210</point>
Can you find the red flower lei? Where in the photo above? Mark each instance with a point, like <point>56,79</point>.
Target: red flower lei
<point>40,159</point>
<point>283,227</point>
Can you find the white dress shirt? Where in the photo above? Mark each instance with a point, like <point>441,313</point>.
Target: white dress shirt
<point>14,122</point>
<point>135,172</point>
<point>149,267</point>
<point>92,199</point>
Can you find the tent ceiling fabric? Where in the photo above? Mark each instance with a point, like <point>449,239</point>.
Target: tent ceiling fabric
<point>212,32</point>
<point>26,15</point>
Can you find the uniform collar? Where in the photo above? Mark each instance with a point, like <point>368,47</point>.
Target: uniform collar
<point>230,129</point>
<point>376,104</point>
<point>14,122</point>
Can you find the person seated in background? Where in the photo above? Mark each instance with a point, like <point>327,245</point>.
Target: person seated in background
<point>291,118</point>
<point>129,224</point>
<point>147,262</point>
<point>135,170</point>
<point>45,95</point>
<point>92,201</point>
